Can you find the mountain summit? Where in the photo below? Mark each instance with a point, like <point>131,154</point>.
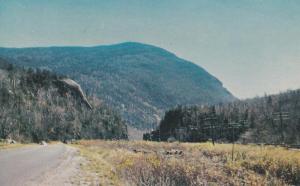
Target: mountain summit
<point>141,81</point>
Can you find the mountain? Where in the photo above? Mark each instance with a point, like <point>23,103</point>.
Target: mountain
<point>272,119</point>
<point>141,81</point>
<point>38,105</point>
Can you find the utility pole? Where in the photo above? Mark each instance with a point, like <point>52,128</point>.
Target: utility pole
<point>232,150</point>
<point>281,117</point>
<point>212,126</point>
<point>159,134</point>
<point>240,125</point>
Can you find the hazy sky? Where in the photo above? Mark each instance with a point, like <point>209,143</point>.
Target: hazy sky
<point>252,46</point>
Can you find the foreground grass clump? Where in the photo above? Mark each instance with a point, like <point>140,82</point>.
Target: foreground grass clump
<point>152,163</point>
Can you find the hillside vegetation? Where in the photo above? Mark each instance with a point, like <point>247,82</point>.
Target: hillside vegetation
<point>269,119</point>
<point>138,80</point>
<point>35,105</point>
<point>187,164</point>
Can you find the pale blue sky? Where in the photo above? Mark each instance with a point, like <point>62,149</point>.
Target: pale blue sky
<point>252,46</point>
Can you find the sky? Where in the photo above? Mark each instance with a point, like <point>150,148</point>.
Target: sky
<point>252,46</point>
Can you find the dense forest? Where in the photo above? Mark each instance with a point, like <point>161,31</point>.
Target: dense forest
<point>268,119</point>
<point>138,80</point>
<point>37,105</point>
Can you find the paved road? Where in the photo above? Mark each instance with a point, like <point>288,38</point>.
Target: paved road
<point>25,166</point>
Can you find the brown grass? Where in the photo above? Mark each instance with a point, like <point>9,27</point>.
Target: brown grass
<point>153,163</point>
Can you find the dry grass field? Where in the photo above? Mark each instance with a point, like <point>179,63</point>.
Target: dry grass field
<point>153,163</point>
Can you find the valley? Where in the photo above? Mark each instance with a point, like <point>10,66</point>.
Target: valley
<point>149,93</point>
<point>197,132</point>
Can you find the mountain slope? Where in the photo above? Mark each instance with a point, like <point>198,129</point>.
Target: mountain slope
<point>141,81</point>
<point>39,105</point>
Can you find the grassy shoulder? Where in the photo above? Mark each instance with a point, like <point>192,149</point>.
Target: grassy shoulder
<point>11,146</point>
<point>4,145</point>
<point>153,163</point>
<point>97,169</point>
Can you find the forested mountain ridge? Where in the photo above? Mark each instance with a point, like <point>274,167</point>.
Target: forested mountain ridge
<point>269,119</point>
<point>141,81</point>
<point>39,105</point>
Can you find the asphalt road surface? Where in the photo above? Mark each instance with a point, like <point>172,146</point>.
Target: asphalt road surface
<point>36,165</point>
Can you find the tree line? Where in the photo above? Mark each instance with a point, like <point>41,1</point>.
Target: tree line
<point>269,119</point>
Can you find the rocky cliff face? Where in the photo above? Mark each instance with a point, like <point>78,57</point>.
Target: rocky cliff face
<point>74,86</point>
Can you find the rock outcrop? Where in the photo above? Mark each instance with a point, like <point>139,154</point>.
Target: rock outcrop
<point>77,89</point>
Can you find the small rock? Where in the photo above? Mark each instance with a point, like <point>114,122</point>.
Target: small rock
<point>10,141</point>
<point>174,152</point>
<point>141,151</point>
<point>171,139</point>
<point>43,143</point>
